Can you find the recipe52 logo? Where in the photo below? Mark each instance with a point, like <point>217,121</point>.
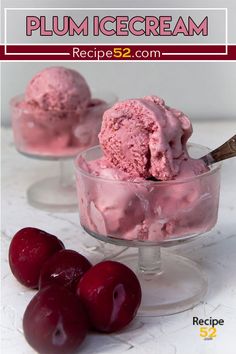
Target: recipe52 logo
<point>207,329</point>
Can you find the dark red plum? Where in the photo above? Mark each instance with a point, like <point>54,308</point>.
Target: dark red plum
<point>30,248</point>
<point>54,321</point>
<point>66,268</point>
<point>111,294</point>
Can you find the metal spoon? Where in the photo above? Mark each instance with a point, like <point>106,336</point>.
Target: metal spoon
<point>223,152</point>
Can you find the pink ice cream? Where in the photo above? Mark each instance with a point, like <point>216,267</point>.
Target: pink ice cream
<point>146,138</point>
<point>55,114</point>
<point>58,88</point>
<point>119,194</point>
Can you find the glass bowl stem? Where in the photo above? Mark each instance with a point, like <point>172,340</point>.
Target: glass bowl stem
<point>149,261</point>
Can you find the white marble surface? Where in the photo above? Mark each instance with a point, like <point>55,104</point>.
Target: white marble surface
<point>173,334</point>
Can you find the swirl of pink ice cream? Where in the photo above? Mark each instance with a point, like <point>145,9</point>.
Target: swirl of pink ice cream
<point>145,138</point>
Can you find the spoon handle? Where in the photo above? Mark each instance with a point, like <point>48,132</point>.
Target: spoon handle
<point>223,152</point>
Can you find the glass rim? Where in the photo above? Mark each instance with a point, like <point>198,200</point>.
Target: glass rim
<point>18,98</point>
<point>214,168</point>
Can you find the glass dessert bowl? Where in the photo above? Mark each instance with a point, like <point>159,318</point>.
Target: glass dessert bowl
<point>149,215</point>
<point>58,136</point>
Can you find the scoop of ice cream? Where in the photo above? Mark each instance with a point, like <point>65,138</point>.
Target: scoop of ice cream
<point>56,116</point>
<point>145,138</point>
<point>58,88</point>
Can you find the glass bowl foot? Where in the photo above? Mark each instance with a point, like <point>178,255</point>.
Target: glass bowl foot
<point>52,195</point>
<point>177,286</point>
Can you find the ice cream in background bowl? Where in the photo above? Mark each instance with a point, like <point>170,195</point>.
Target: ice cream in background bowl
<point>145,186</point>
<point>46,120</point>
<point>57,117</point>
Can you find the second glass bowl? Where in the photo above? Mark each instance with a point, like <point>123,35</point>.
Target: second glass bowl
<point>59,136</point>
